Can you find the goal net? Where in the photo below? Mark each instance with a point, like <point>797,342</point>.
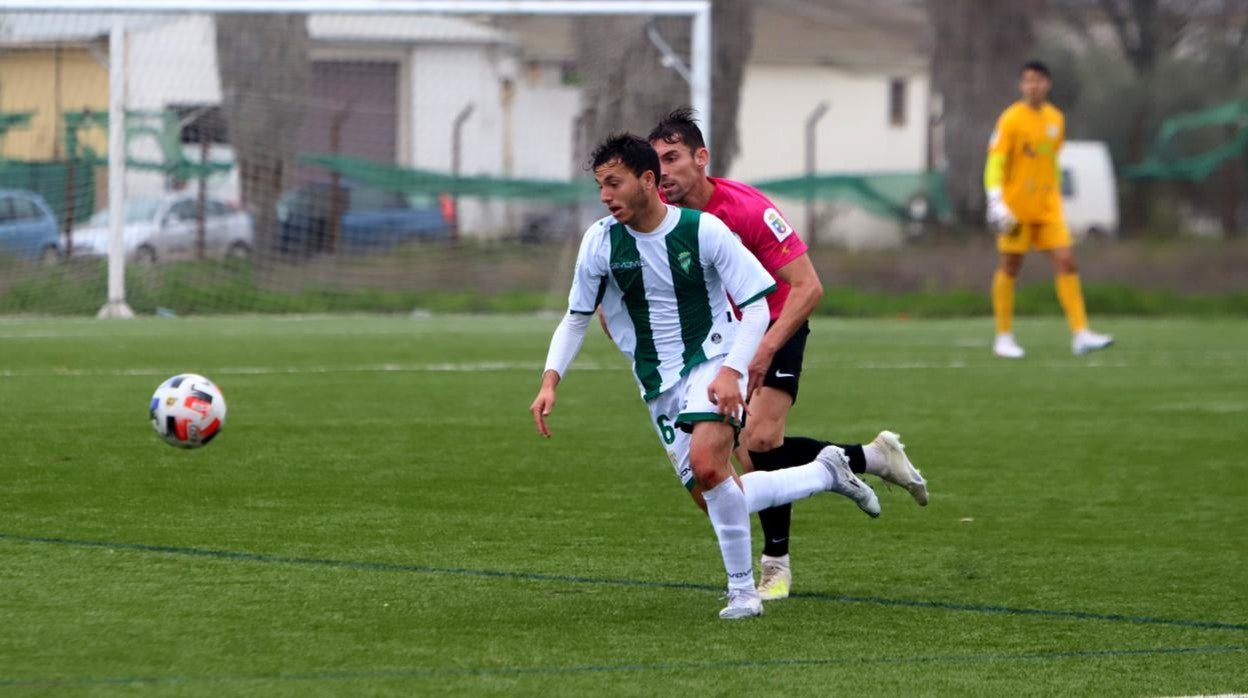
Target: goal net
<point>342,158</point>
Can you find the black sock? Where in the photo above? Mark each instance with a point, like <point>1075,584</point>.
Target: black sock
<point>857,459</point>
<point>777,521</point>
<point>800,450</point>
<point>796,450</point>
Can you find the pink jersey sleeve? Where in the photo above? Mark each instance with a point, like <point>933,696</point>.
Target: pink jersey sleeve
<point>763,230</point>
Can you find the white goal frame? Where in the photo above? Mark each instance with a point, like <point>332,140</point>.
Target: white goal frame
<point>699,11</point>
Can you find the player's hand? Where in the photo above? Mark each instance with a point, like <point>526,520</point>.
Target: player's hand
<point>1000,218</point>
<point>758,369</point>
<point>725,393</point>
<point>541,407</point>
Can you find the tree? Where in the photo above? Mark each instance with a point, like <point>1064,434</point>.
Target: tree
<point>1179,55</point>
<point>978,51</point>
<point>264,69</point>
<point>627,86</point>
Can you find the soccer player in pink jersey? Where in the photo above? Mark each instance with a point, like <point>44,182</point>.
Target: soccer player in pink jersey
<point>776,367</point>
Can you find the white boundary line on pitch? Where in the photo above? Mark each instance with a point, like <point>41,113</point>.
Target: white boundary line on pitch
<point>490,366</point>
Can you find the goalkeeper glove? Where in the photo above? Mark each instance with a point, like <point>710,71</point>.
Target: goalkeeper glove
<point>1000,218</point>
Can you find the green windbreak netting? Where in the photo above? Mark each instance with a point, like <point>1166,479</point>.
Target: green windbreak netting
<point>59,183</point>
<point>1164,162</point>
<point>891,195</point>
<point>413,181</point>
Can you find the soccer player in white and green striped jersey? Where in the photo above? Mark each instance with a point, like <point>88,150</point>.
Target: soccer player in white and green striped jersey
<point>662,275</point>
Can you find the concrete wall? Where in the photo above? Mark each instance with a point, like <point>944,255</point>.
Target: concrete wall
<point>855,135</point>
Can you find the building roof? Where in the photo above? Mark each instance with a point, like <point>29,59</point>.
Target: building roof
<point>853,34</point>
<point>35,28</point>
<point>19,28</point>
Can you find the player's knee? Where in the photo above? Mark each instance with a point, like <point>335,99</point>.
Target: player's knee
<point>762,436</point>
<point>707,468</point>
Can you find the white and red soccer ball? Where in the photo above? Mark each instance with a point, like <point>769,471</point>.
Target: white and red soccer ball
<point>188,411</point>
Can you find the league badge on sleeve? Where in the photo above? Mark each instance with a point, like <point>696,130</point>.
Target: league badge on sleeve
<point>778,225</point>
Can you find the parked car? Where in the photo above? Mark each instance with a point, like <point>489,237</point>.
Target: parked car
<point>27,227</point>
<point>371,219</point>
<point>1089,192</point>
<point>167,229</point>
<point>559,223</point>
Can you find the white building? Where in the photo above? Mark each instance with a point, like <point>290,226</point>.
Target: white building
<point>403,80</point>
<point>868,63</point>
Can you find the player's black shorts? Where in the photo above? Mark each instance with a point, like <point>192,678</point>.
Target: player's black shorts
<point>786,366</point>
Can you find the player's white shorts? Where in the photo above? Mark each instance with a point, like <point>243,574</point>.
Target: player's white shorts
<point>684,404</point>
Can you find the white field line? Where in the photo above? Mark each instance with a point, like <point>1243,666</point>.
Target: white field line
<point>276,370</point>
<point>535,366</point>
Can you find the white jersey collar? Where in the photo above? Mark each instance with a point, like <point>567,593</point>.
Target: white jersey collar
<point>668,224</point>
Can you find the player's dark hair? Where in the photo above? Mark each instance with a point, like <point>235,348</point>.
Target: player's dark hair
<point>1038,67</point>
<point>635,154</point>
<point>679,126</point>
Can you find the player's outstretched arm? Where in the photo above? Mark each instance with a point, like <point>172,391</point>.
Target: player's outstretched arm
<point>1000,218</point>
<point>804,295</point>
<point>544,402</point>
<point>564,346</point>
<point>725,390</point>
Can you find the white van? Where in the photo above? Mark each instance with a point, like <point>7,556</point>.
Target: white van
<point>1089,191</point>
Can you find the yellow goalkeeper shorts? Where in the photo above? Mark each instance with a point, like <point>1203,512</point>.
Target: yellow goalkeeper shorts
<point>1034,236</point>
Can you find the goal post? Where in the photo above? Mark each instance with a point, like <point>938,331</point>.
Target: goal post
<point>132,82</point>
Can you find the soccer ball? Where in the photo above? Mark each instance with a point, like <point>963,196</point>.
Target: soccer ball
<point>188,411</point>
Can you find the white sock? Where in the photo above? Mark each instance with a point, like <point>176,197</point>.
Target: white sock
<point>725,503</point>
<point>764,490</point>
<point>877,459</point>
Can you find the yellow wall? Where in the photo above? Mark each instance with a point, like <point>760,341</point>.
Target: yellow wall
<point>28,82</point>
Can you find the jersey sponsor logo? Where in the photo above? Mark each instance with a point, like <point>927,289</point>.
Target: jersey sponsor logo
<point>684,259</point>
<point>785,375</point>
<point>716,338</point>
<point>1051,130</point>
<point>776,222</point>
<point>624,266</point>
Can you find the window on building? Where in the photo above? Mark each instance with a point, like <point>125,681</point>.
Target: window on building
<point>897,102</point>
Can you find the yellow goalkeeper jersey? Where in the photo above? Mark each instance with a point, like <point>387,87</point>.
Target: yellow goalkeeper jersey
<point>1022,161</point>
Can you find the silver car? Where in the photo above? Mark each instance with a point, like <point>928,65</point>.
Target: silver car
<point>166,229</point>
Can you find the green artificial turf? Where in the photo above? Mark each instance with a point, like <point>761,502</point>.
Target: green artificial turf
<point>379,517</point>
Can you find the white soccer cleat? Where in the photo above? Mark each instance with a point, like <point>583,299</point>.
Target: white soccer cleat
<point>776,580</point>
<point>1086,341</point>
<point>845,482</point>
<point>1005,347</point>
<point>742,603</point>
<point>901,471</point>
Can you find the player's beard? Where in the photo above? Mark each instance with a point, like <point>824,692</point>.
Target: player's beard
<point>640,205</point>
<point>673,193</point>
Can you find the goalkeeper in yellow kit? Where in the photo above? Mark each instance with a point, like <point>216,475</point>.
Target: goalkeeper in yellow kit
<point>1023,183</point>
